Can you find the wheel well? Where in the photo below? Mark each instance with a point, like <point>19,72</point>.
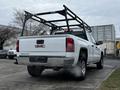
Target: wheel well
<point>84,50</point>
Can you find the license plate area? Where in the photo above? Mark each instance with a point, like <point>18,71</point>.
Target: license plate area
<point>40,59</point>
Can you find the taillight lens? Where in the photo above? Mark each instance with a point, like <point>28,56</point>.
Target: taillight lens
<point>69,45</point>
<point>17,46</point>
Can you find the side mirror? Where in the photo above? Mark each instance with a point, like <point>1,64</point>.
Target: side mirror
<point>99,42</point>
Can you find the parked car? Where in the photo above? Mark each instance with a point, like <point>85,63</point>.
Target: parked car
<point>3,54</point>
<point>11,54</point>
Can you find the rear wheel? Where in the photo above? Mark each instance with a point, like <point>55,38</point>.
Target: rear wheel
<point>80,69</point>
<point>100,64</point>
<point>35,71</point>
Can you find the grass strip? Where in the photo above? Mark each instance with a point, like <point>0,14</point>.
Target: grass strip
<point>113,82</point>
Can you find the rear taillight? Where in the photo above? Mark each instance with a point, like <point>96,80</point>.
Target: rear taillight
<point>17,46</point>
<point>69,45</point>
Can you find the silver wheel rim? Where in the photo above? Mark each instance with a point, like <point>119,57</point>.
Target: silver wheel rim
<point>83,68</point>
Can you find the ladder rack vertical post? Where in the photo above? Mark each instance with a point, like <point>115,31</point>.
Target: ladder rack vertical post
<point>66,19</point>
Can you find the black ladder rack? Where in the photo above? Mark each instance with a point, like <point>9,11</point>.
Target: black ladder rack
<point>65,12</point>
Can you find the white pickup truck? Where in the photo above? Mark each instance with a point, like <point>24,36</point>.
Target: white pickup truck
<point>72,50</point>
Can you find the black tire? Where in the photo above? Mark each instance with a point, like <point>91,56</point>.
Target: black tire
<point>100,64</point>
<point>35,71</point>
<point>3,56</point>
<point>82,67</point>
<point>11,57</point>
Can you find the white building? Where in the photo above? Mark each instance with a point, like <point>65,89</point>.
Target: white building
<point>105,33</point>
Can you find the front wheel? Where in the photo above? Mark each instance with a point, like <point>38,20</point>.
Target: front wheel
<point>35,71</point>
<point>100,64</point>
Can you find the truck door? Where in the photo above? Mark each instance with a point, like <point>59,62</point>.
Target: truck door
<point>91,47</point>
<point>96,50</point>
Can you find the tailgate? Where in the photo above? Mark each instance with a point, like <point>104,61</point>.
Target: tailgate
<point>51,43</point>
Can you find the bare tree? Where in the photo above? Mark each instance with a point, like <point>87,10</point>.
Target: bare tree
<point>19,18</point>
<point>5,34</point>
<point>32,27</point>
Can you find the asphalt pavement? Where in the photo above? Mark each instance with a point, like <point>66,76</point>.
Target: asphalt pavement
<point>15,77</point>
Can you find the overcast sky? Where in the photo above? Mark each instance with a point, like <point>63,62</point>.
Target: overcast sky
<point>93,12</point>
